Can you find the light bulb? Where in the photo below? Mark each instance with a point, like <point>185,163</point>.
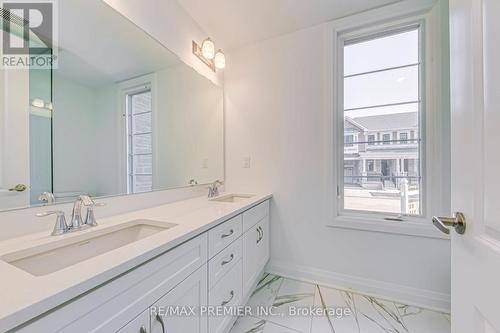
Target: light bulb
<point>208,48</point>
<point>220,60</point>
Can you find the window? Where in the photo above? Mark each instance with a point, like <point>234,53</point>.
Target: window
<point>382,94</point>
<point>370,165</point>
<point>349,140</point>
<point>371,140</point>
<point>403,138</point>
<point>139,143</point>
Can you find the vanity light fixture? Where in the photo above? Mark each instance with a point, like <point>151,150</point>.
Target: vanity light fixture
<point>206,53</point>
<point>220,59</point>
<point>208,49</point>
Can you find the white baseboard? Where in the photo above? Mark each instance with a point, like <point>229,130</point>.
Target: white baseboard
<point>384,290</point>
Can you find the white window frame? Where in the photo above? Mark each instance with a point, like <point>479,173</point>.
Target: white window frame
<point>371,34</point>
<point>125,88</point>
<point>435,186</point>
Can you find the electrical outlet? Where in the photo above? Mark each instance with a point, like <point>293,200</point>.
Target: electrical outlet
<point>205,163</point>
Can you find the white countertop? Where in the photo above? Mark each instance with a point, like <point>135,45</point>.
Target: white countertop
<point>24,296</point>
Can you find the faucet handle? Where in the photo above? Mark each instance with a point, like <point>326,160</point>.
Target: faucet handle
<point>90,218</point>
<point>86,200</point>
<point>60,227</point>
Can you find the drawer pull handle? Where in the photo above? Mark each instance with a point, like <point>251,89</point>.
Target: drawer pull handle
<point>230,298</point>
<point>160,320</point>
<point>225,262</point>
<point>260,234</point>
<point>231,232</point>
<point>143,329</point>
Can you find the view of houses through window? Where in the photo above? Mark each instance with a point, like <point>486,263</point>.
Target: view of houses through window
<point>382,123</point>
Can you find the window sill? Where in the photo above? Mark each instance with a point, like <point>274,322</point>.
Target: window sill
<point>416,227</point>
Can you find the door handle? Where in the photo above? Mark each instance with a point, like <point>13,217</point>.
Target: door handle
<point>18,188</point>
<point>457,222</point>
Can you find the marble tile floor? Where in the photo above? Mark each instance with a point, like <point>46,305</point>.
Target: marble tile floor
<point>347,312</point>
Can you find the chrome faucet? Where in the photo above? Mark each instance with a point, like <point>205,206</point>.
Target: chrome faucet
<point>213,190</point>
<point>61,227</point>
<point>76,214</point>
<point>90,218</point>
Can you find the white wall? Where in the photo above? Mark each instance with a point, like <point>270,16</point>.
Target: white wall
<point>276,107</point>
<point>190,128</point>
<point>109,133</point>
<point>74,120</point>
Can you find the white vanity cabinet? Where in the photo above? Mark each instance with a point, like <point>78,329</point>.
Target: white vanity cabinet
<point>139,325</point>
<point>219,267</point>
<point>255,252</point>
<point>191,294</point>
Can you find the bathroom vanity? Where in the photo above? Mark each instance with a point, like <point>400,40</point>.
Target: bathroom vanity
<point>127,273</point>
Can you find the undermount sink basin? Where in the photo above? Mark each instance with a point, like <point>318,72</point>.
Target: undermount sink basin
<point>57,255</point>
<point>232,197</point>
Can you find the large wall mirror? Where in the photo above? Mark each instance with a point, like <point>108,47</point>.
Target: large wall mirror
<point>120,115</point>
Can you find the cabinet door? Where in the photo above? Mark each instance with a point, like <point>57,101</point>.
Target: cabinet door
<point>172,312</point>
<point>255,253</point>
<point>139,325</point>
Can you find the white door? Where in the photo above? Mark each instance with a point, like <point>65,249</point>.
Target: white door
<point>475,85</point>
<point>14,137</point>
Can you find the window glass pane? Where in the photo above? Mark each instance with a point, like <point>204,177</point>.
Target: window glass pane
<point>141,102</point>
<point>140,161</point>
<point>382,160</point>
<point>143,164</point>
<point>387,52</point>
<point>404,108</point>
<point>141,144</point>
<point>142,183</point>
<point>141,123</point>
<point>389,87</point>
<point>403,137</point>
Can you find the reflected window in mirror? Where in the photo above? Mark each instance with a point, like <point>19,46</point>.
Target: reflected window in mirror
<point>140,141</point>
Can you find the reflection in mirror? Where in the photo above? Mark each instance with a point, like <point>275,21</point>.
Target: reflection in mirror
<point>121,114</point>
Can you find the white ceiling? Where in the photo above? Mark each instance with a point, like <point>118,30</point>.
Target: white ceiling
<point>235,23</point>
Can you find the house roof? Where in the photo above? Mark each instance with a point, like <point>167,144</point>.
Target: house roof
<point>387,121</point>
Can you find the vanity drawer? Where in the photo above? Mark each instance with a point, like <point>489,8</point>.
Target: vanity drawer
<point>227,292</point>
<point>252,216</point>
<point>222,263</point>
<point>223,235</point>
